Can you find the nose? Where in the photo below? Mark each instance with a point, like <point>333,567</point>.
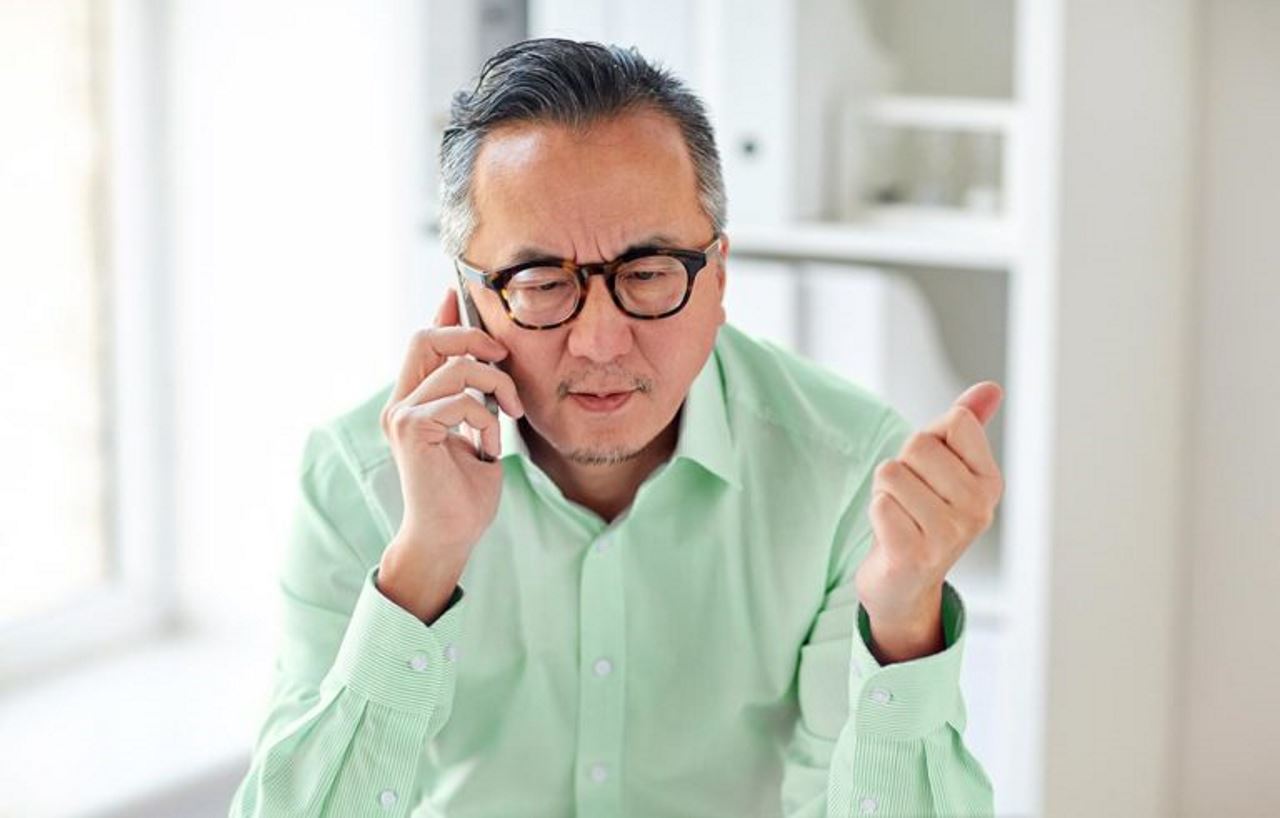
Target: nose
<point>601,332</point>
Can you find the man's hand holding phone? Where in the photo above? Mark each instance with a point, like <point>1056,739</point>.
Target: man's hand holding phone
<point>450,493</point>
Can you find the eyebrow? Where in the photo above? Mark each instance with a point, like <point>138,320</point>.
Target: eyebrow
<point>530,253</point>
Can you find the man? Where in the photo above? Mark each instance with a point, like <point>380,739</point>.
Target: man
<point>703,577</point>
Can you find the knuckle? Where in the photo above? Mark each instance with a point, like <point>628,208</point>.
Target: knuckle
<point>912,447</point>
<point>401,418</point>
<point>422,339</point>
<point>384,417</point>
<point>919,445</point>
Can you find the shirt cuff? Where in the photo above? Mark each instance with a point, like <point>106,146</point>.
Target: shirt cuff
<point>391,657</point>
<point>908,699</point>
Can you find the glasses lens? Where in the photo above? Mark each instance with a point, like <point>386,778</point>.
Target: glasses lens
<point>652,285</point>
<point>542,295</point>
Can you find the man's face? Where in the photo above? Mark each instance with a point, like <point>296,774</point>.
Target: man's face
<point>589,196</point>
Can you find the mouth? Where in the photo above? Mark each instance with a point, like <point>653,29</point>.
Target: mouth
<point>601,401</point>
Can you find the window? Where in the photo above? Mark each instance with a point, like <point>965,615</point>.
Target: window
<point>83,509</point>
<point>54,521</point>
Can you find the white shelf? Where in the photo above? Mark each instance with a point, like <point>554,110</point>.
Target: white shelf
<point>933,245</point>
<point>944,113</point>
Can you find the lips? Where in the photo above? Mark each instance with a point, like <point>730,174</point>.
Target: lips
<point>601,401</point>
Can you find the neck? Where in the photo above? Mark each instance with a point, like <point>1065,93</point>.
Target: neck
<point>606,489</point>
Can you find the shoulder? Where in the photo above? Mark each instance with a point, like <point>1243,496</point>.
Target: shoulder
<point>771,388</point>
<point>352,437</point>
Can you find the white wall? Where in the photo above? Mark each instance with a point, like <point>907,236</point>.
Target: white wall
<point>1124,270</point>
<point>294,184</point>
<point>1229,710</point>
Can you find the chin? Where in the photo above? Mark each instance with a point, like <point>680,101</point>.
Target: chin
<point>601,456</point>
<point>600,450</point>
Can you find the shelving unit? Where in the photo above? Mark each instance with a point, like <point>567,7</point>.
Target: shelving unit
<point>910,242</point>
<point>1045,285</point>
<point>830,178</point>
<point>943,113</point>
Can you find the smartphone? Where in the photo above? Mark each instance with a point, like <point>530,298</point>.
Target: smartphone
<point>470,317</point>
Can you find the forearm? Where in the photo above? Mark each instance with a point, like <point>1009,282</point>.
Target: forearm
<point>350,745</point>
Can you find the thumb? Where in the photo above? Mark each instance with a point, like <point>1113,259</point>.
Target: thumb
<point>983,399</point>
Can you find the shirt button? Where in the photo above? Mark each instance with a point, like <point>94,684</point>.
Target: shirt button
<point>599,773</point>
<point>601,543</point>
<point>881,696</point>
<point>603,667</point>
<point>418,663</point>
<point>867,806</point>
<point>450,653</point>
<point>387,798</point>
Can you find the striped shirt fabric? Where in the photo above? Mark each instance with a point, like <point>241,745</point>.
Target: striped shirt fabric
<point>703,654</point>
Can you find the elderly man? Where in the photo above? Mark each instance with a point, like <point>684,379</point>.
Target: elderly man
<point>681,573</point>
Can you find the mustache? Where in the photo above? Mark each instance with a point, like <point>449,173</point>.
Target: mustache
<point>617,380</point>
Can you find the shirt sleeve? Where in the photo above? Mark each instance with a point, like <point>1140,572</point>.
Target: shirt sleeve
<point>872,739</point>
<point>360,683</point>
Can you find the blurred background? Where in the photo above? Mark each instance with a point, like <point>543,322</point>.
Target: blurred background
<point>218,229</point>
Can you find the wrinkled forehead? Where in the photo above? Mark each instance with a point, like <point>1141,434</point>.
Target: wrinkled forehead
<point>567,191</point>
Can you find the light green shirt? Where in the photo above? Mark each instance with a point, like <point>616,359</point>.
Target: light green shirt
<point>695,657</point>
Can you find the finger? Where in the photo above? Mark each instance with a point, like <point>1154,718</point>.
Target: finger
<point>941,468</point>
<point>892,523</point>
<point>447,314</point>
<point>429,348</point>
<point>434,420</point>
<point>983,399</point>
<point>926,508</point>
<point>491,439</point>
<point>458,374</point>
<point>960,430</point>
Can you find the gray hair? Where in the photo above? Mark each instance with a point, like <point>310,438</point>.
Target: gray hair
<point>571,83</point>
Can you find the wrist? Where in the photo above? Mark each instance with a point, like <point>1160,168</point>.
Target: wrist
<point>910,636</point>
<point>422,584</point>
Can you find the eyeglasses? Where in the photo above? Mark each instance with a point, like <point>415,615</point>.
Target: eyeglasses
<point>646,283</point>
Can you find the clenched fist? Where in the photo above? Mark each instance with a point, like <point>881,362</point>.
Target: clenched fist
<point>927,506</point>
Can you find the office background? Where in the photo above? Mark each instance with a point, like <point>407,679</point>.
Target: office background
<point>217,229</point>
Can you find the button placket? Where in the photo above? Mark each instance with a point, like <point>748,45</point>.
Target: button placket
<point>601,688</point>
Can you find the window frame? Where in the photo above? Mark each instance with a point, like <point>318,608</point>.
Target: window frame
<point>137,600</point>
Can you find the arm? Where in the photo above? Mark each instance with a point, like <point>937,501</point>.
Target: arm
<point>361,684</point>
<point>877,738</point>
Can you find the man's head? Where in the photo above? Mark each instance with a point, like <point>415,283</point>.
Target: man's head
<point>582,151</point>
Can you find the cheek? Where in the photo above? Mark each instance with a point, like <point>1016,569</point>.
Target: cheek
<point>533,368</point>
<point>677,355</point>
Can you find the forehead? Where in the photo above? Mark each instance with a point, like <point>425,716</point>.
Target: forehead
<point>569,190</point>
